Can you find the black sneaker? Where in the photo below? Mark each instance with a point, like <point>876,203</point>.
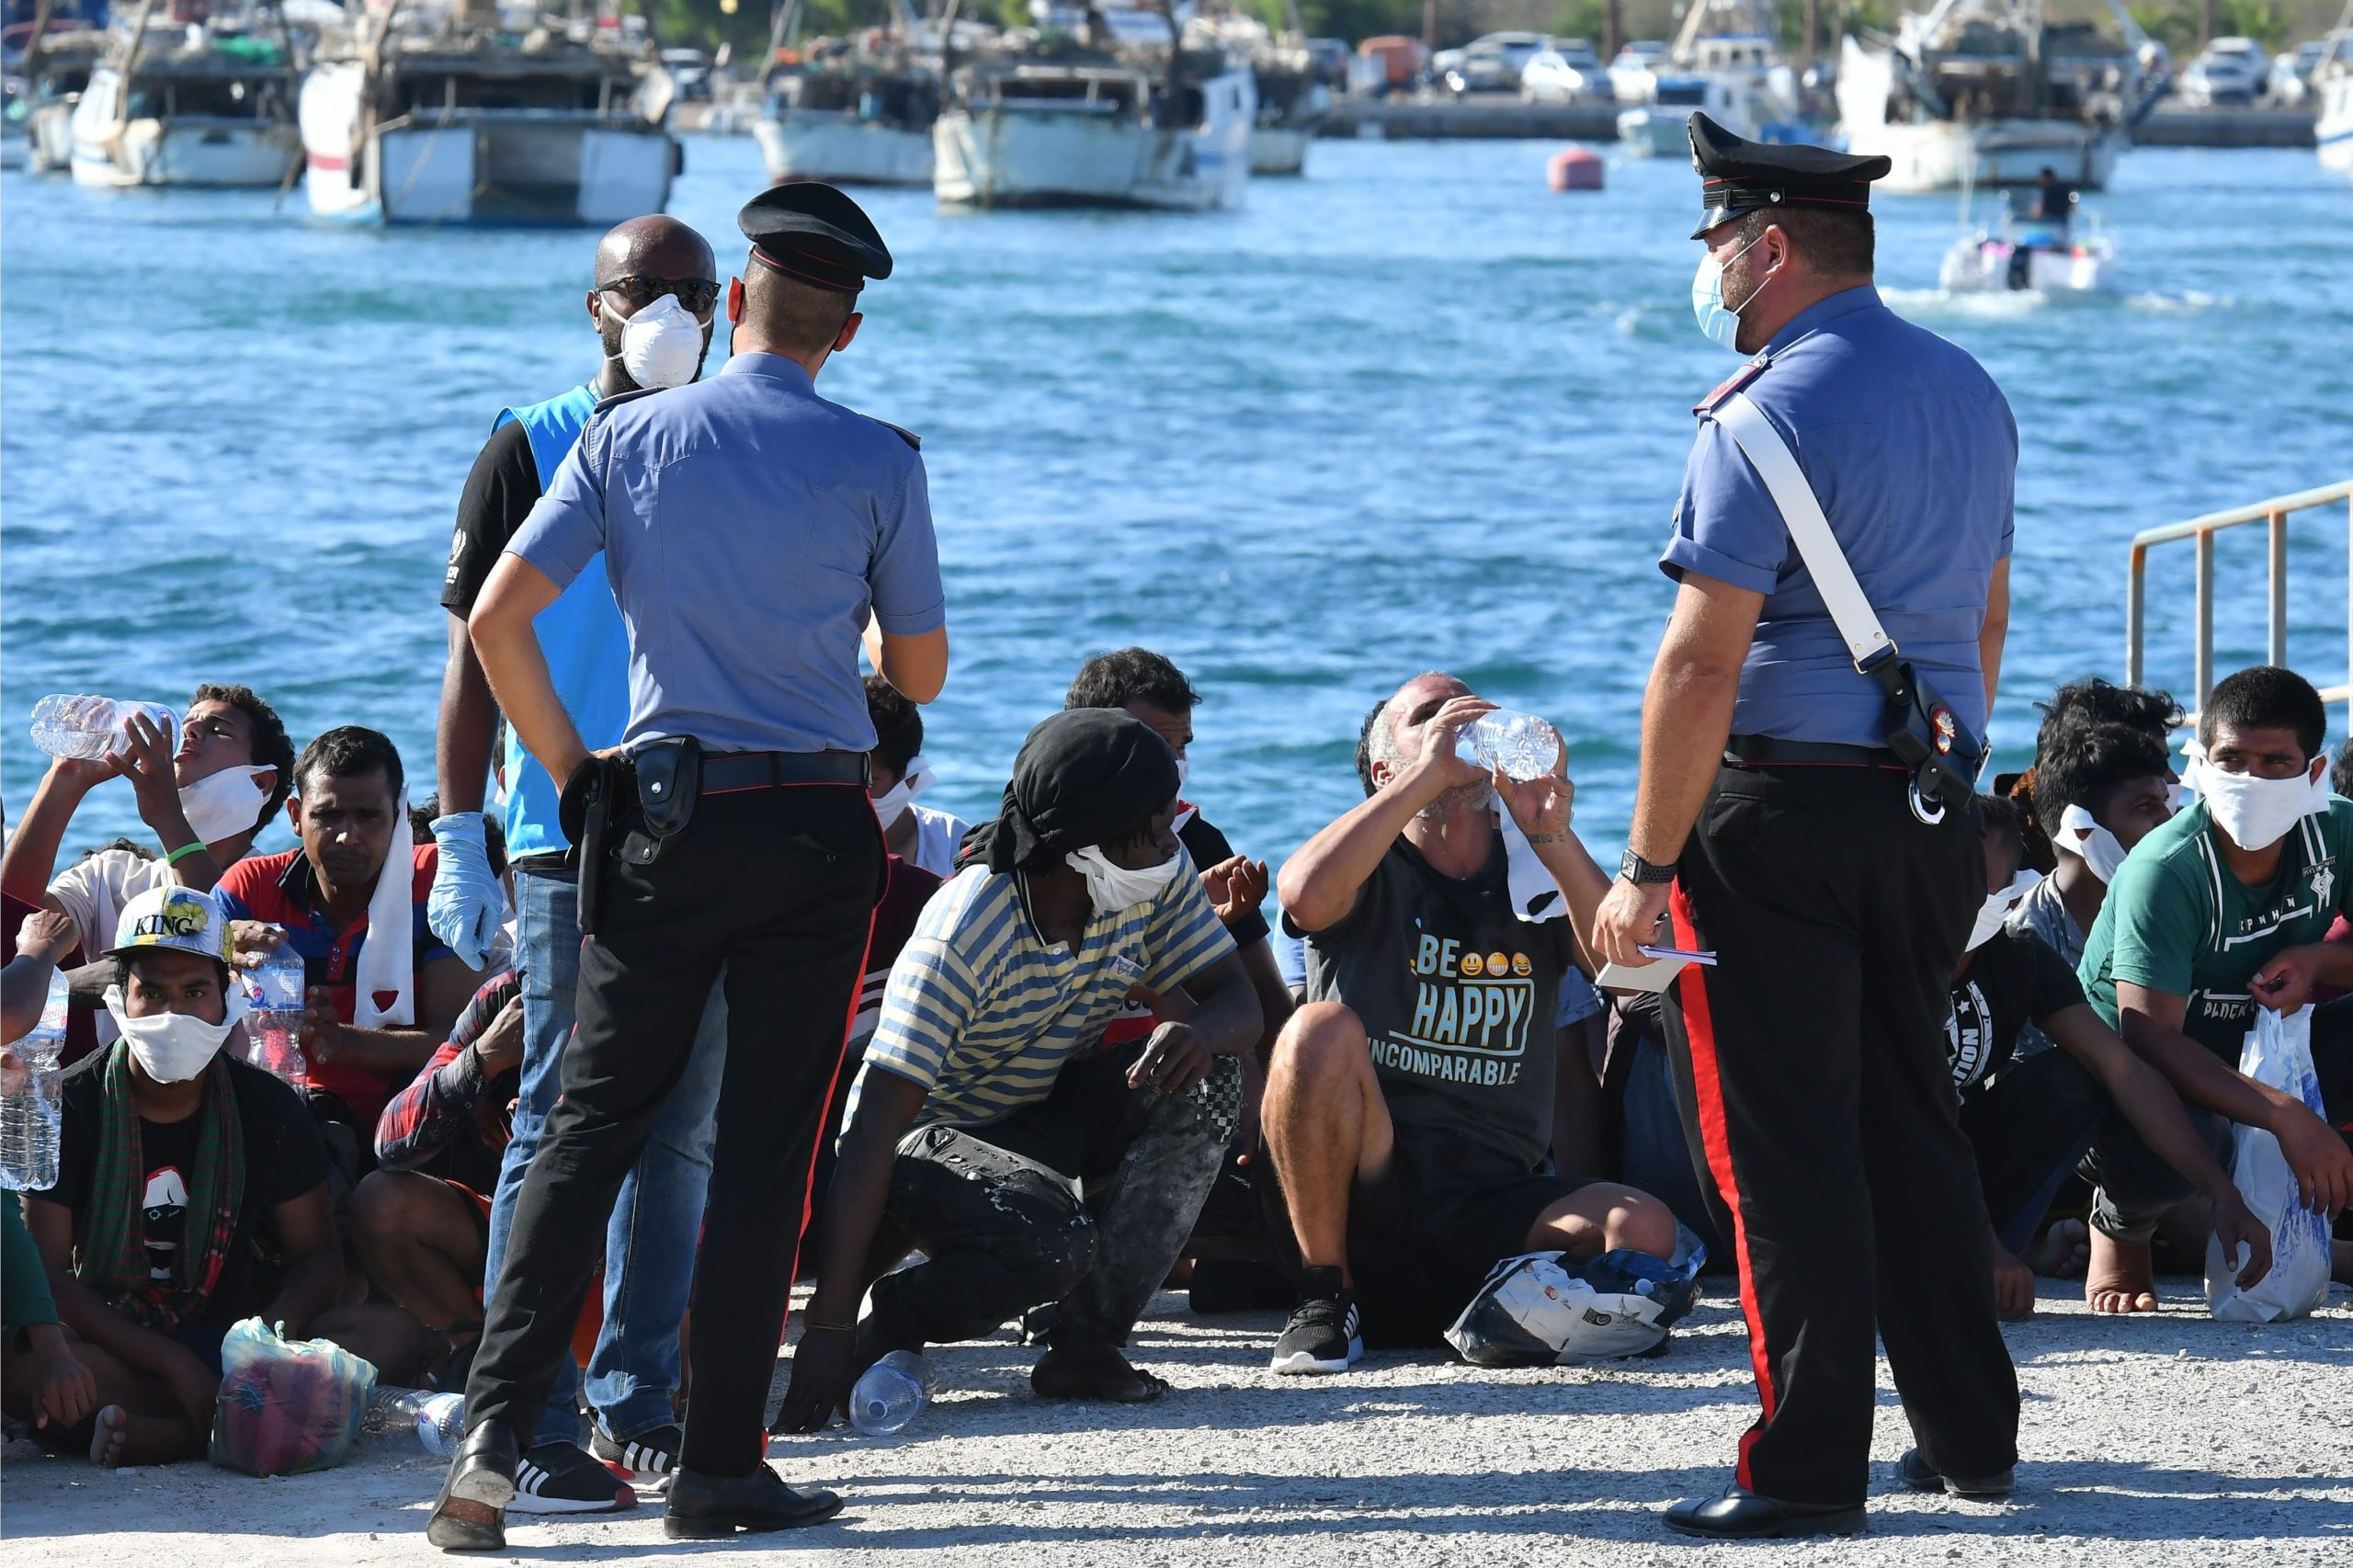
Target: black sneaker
<point>563,1478</point>
<point>1325,1333</point>
<point>646,1460</point>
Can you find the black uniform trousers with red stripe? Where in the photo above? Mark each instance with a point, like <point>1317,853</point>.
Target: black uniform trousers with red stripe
<point>1811,1069</point>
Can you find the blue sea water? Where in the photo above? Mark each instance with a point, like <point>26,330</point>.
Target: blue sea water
<point>1411,412</point>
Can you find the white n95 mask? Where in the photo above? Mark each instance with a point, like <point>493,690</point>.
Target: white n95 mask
<point>662,345</point>
<point>2080,833</point>
<point>1997,906</point>
<point>224,805</point>
<point>2259,813</point>
<point>1118,888</point>
<point>172,1048</point>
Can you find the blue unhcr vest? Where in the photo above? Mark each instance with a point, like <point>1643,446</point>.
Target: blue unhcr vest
<point>587,646</point>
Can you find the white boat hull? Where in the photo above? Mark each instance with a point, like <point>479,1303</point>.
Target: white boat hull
<point>518,167</point>
<point>1035,154</point>
<point>2334,127</point>
<point>838,147</point>
<point>1980,264</point>
<point>1652,132</point>
<point>49,132</point>
<point>1938,156</point>
<point>1279,150</point>
<point>190,152</point>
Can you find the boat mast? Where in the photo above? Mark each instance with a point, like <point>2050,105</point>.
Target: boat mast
<point>130,63</point>
<point>28,67</point>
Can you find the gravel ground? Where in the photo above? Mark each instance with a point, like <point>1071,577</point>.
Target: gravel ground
<point>2172,1439</point>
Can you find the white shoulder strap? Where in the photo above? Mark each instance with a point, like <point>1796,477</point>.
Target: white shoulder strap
<point>1817,546</point>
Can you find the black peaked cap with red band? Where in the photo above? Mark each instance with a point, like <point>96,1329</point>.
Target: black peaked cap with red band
<point>1739,175</point>
<point>813,233</point>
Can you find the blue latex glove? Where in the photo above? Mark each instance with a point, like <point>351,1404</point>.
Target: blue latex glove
<point>466,905</point>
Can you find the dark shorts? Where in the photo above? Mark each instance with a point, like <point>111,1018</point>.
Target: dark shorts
<point>205,1344</point>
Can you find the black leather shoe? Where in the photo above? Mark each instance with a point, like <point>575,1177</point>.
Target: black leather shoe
<point>470,1513</point>
<point>1741,1514</point>
<point>702,1506</point>
<point>1914,1472</point>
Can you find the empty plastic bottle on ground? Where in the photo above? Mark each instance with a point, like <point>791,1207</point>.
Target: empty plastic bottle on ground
<point>274,1023</point>
<point>436,1418</point>
<point>91,726</point>
<point>1521,744</point>
<point>892,1394</point>
<point>29,1104</point>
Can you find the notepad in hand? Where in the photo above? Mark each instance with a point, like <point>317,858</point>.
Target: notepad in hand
<point>1657,975</point>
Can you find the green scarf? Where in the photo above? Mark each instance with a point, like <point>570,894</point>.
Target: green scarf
<point>112,1258</point>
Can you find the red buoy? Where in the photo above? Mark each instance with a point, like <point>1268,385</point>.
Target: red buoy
<point>1573,168</point>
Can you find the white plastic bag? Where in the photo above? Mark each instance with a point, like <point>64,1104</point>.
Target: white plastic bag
<point>2278,1054</point>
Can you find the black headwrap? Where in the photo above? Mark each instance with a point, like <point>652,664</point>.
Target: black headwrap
<point>1085,776</point>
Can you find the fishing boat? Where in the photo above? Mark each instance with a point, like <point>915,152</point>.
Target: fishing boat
<point>15,132</point>
<point>1726,63</point>
<point>447,117</point>
<point>192,103</point>
<point>1097,124</point>
<point>1984,92</point>
<point>56,70</point>
<point>2332,85</point>
<point>1293,101</point>
<point>851,113</point>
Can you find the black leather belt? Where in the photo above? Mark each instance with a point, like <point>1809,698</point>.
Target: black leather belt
<point>725,771</point>
<point>1769,751</point>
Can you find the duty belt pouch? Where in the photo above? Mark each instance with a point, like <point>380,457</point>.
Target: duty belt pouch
<point>587,812</point>
<point>1920,727</point>
<point>670,779</point>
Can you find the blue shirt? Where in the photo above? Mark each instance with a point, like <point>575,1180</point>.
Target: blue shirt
<point>1911,448</point>
<point>749,526</point>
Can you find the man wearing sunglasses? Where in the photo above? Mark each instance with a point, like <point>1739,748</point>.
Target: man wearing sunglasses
<point>657,293</point>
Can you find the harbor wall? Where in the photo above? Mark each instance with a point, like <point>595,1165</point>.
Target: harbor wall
<point>1400,120</point>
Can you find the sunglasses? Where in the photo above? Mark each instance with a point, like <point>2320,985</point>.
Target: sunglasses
<point>697,294</point>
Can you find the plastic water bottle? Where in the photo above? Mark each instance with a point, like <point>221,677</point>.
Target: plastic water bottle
<point>891,1394</point>
<point>274,1021</point>
<point>28,1105</point>
<point>91,727</point>
<point>1521,744</point>
<point>438,1419</point>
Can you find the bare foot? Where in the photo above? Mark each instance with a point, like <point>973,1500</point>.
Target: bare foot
<point>2122,1278</point>
<point>2064,1251</point>
<point>1098,1373</point>
<point>110,1431</point>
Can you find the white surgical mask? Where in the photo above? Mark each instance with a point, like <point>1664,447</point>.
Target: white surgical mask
<point>913,781</point>
<point>1997,906</point>
<point>226,805</point>
<point>172,1048</point>
<point>1717,320</point>
<point>1117,888</point>
<point>2259,813</point>
<point>2080,833</point>
<point>662,345</point>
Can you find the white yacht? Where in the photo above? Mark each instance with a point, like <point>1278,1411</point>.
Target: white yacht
<point>1126,126</point>
<point>1727,63</point>
<point>2333,86</point>
<point>1985,93</point>
<point>195,104</point>
<point>451,118</point>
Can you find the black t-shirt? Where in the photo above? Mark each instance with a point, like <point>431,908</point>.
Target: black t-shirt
<point>1459,996</point>
<point>284,1159</point>
<point>1207,846</point>
<point>2014,980</point>
<point>499,494</point>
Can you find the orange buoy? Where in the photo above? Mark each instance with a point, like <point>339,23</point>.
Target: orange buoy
<point>1573,168</point>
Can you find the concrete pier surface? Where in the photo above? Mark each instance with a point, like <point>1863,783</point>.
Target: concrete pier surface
<point>2149,1441</point>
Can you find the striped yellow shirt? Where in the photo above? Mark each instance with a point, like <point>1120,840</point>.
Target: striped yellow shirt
<point>983,1013</point>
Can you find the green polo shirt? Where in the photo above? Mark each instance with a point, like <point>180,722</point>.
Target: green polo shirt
<point>2178,921</point>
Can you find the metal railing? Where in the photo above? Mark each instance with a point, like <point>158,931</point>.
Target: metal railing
<point>2275,513</point>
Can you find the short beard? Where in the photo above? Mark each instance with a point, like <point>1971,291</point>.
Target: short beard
<point>1474,797</point>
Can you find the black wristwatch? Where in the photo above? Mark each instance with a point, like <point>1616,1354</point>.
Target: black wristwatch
<point>1642,874</point>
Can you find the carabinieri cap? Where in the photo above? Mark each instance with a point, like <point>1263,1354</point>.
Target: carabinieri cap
<point>813,233</point>
<point>1739,175</point>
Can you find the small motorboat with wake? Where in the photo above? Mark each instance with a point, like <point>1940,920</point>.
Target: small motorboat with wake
<point>2038,252</point>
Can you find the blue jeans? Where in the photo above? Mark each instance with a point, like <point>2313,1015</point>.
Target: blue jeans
<point>650,1241</point>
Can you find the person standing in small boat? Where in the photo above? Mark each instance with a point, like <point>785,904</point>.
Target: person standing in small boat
<point>1811,820</point>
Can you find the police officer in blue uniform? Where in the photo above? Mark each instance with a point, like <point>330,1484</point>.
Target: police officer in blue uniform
<point>1811,824</point>
<point>655,297</point>
<point>754,535</point>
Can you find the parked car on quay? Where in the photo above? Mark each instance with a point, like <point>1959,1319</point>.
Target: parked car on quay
<point>2232,71</point>
<point>1633,69</point>
<point>1489,63</point>
<point>2291,71</point>
<point>1569,72</point>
